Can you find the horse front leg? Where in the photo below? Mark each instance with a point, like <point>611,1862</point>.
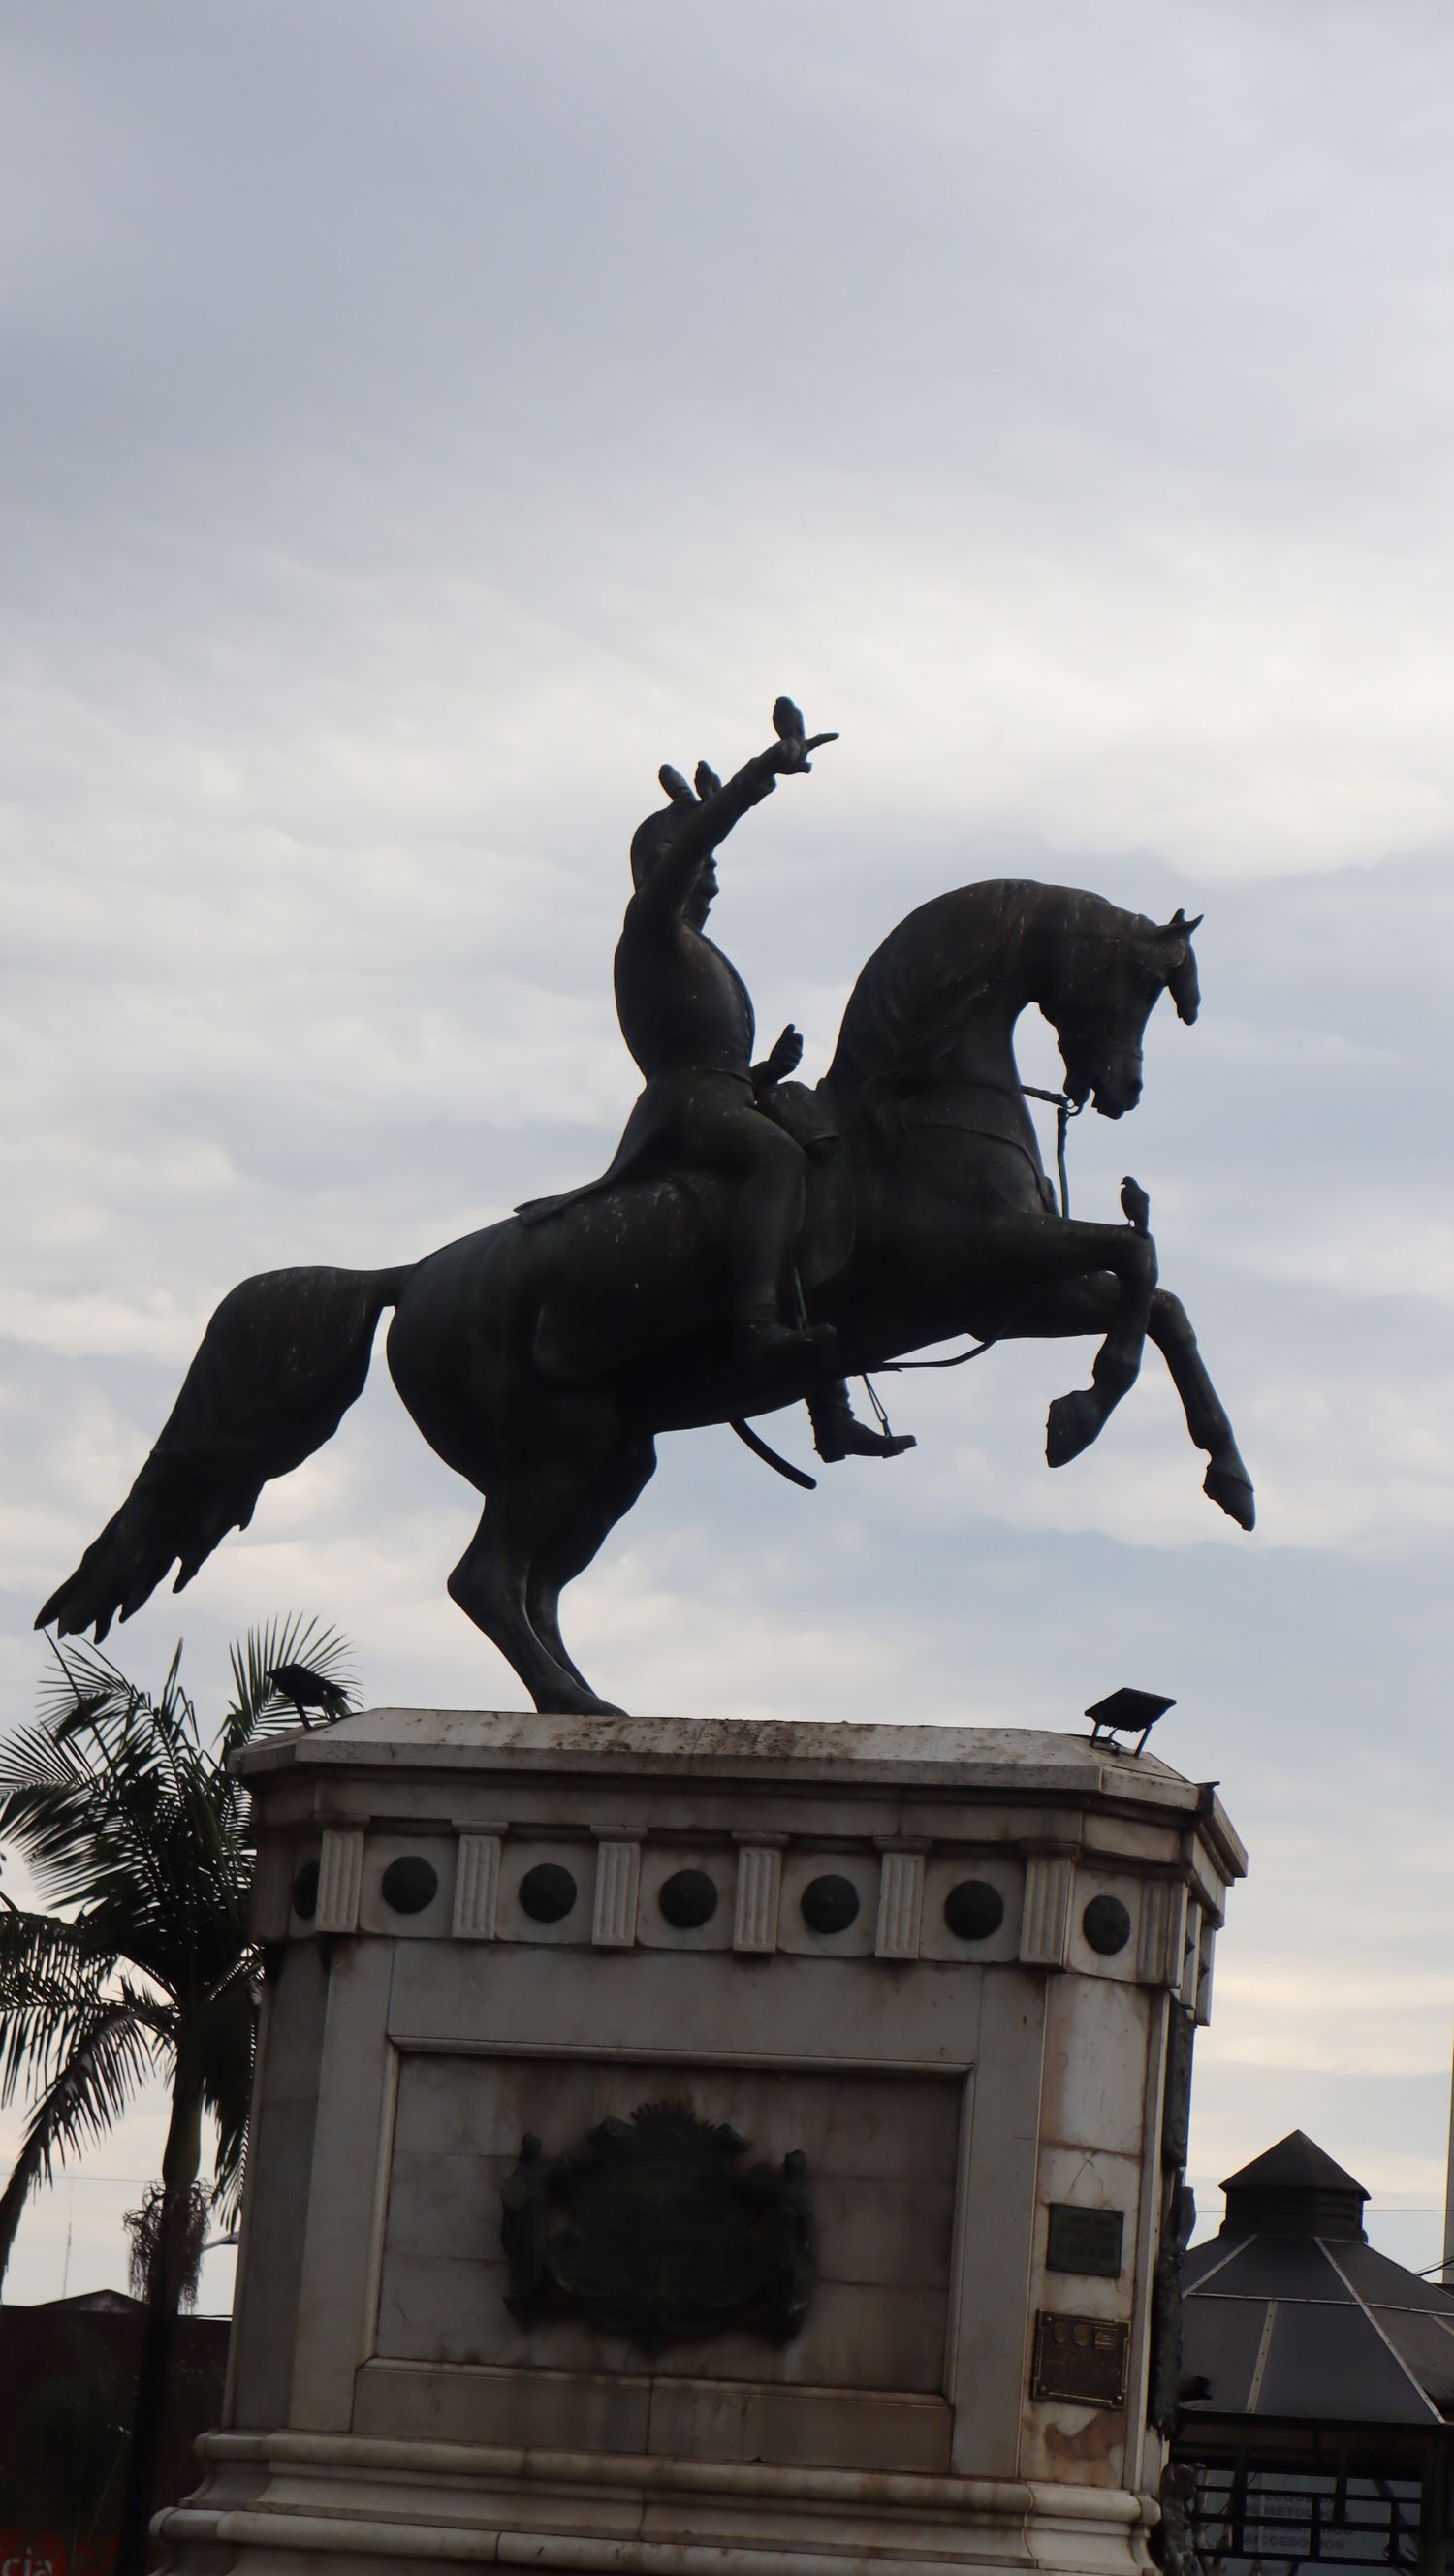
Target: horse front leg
<point>1226,1480</point>
<point>1075,1420</point>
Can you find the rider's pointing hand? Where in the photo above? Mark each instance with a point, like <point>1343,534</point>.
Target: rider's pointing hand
<point>793,748</point>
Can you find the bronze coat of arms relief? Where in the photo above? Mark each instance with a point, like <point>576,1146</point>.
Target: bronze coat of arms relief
<point>652,2229</point>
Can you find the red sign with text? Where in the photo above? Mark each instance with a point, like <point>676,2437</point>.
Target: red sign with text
<point>49,2553</point>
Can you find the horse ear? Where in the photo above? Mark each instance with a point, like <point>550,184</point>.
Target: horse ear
<point>1179,927</point>
<point>675,785</point>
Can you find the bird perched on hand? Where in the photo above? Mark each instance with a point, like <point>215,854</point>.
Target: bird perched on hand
<point>788,725</point>
<point>1135,1205</point>
<point>307,1689</point>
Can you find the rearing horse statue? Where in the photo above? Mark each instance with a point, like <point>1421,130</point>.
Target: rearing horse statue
<point>541,1359</point>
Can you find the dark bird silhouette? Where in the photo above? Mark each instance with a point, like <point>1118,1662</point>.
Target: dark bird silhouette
<point>1135,1205</point>
<point>307,1689</point>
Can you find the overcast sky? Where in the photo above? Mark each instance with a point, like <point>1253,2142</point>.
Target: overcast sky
<point>421,420</point>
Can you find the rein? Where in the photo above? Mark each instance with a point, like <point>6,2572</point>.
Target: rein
<point>1065,1109</point>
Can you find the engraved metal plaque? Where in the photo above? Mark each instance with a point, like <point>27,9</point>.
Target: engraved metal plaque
<point>1085,2240</point>
<point>1081,2358</point>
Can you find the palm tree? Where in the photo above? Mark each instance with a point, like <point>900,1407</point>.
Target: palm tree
<point>136,1833</point>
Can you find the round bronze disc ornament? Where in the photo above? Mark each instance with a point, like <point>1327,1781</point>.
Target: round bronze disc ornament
<point>688,1899</point>
<point>408,1885</point>
<point>1106,1925</point>
<point>974,1909</point>
<point>829,1904</point>
<point>548,1892</point>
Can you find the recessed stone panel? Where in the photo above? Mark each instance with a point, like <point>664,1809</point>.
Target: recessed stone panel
<point>882,2158</point>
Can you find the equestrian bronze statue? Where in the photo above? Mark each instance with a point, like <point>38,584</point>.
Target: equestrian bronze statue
<point>752,1245</point>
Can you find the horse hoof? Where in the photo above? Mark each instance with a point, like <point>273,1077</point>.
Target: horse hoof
<point>1071,1425</point>
<point>1234,1493</point>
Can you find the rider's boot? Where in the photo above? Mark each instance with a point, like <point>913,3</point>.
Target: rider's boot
<point>764,1339</point>
<point>837,1434</point>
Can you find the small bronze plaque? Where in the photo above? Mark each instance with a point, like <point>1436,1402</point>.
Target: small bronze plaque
<point>1085,2240</point>
<point>1082,2358</point>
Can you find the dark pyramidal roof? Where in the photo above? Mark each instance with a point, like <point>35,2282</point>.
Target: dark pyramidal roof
<point>1290,2313</point>
<point>1295,2189</point>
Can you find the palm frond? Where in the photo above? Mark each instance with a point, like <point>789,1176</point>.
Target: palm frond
<point>45,2004</point>
<point>81,2104</point>
<point>56,1988</point>
<point>33,1757</point>
<point>134,1829</point>
<point>83,1687</point>
<point>41,1945</point>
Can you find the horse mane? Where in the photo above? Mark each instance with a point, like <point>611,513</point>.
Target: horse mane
<point>906,1011</point>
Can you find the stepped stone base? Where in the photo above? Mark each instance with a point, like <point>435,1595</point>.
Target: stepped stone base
<point>939,1984</point>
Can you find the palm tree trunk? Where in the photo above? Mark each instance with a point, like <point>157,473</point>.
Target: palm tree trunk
<point>164,2290</point>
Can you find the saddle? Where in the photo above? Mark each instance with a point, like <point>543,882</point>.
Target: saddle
<point>637,1264</point>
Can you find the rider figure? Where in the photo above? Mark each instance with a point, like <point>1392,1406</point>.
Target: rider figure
<point>687,1018</point>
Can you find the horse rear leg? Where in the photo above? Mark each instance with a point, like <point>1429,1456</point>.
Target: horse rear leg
<point>626,1473</point>
<point>532,1500</point>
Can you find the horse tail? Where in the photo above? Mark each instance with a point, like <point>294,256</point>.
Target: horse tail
<point>280,1363</point>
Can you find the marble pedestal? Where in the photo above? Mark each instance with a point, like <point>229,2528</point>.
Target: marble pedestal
<point>989,2088</point>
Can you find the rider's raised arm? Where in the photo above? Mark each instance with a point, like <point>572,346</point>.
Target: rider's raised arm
<point>704,827</point>
<point>706,824</point>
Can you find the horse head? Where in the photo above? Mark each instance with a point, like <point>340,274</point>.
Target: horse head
<point>938,999</point>
<point>1106,970</point>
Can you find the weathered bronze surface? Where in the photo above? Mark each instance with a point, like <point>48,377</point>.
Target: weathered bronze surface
<point>652,2230</point>
<point>752,1242</point>
<point>1084,2358</point>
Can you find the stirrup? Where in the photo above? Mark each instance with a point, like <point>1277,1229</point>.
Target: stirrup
<point>837,1433</point>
